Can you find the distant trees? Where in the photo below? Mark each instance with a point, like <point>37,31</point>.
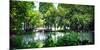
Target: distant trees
<point>82,17</point>
<point>77,17</point>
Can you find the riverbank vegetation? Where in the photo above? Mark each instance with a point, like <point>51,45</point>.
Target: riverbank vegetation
<point>50,18</point>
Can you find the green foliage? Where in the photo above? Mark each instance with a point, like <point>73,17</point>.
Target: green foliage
<point>34,44</point>
<point>39,44</point>
<point>44,7</point>
<point>36,19</point>
<point>50,42</point>
<point>18,13</point>
<point>77,17</point>
<point>16,42</point>
<point>69,38</point>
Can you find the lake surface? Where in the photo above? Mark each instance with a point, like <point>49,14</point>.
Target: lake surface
<point>41,36</point>
<point>87,36</point>
<point>55,35</point>
<point>52,39</point>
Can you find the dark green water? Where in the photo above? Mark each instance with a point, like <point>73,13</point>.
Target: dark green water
<point>52,39</point>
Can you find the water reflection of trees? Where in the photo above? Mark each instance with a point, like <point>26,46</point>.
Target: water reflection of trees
<point>56,26</point>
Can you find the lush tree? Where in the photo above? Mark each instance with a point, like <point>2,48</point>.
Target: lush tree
<point>19,14</point>
<point>82,16</point>
<point>77,17</point>
<point>36,19</point>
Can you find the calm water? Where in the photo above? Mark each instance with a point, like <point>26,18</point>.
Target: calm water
<point>41,36</point>
<point>51,39</point>
<point>55,35</point>
<point>87,36</point>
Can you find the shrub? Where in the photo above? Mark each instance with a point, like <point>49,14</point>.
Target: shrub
<point>70,38</point>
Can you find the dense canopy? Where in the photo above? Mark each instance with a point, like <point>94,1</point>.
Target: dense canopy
<point>75,17</point>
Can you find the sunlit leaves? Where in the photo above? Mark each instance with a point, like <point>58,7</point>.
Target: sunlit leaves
<point>19,10</point>
<point>44,7</point>
<point>36,19</point>
<point>49,16</point>
<point>61,11</point>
